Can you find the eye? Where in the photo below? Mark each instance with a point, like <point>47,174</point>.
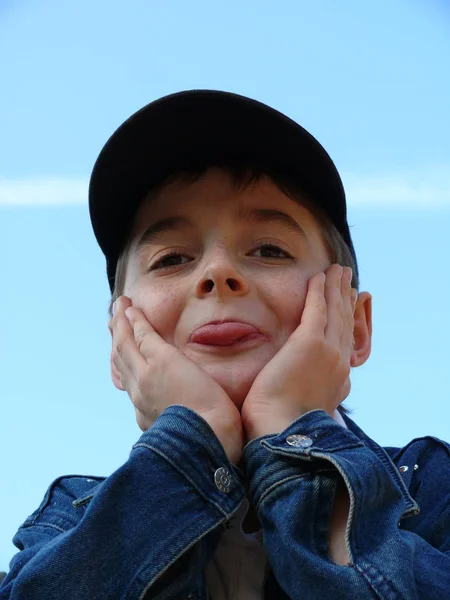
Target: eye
<point>167,261</point>
<point>272,248</point>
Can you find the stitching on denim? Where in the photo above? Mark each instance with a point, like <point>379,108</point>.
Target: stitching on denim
<point>426,438</point>
<point>159,574</point>
<point>286,479</point>
<point>203,495</point>
<point>381,576</point>
<point>292,453</point>
<point>44,525</point>
<point>360,572</point>
<point>307,454</point>
<point>197,422</point>
<point>412,508</point>
<point>352,503</point>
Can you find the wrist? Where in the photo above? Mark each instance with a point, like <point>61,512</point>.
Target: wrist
<point>259,426</point>
<point>228,431</point>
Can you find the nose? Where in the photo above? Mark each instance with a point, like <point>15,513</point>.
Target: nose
<point>221,278</point>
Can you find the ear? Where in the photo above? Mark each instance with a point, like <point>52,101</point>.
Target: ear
<point>362,330</point>
<point>114,372</point>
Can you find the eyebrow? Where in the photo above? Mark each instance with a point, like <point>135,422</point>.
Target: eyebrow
<point>152,233</point>
<point>248,215</point>
<point>271,215</point>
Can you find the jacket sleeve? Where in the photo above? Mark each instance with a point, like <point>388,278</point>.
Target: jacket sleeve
<point>293,477</point>
<point>152,525</point>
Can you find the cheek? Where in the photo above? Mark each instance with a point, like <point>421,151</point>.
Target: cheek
<point>162,310</point>
<point>286,296</point>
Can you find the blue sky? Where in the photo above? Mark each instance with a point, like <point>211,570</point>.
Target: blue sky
<point>367,79</point>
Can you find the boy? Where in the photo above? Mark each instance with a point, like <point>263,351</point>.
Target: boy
<point>235,324</point>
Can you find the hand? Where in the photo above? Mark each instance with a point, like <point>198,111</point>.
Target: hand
<point>311,371</point>
<point>156,374</point>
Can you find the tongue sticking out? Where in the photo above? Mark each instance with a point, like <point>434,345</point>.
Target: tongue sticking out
<point>223,334</point>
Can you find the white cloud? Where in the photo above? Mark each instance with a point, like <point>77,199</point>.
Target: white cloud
<point>42,192</point>
<point>427,189</point>
<point>423,189</point>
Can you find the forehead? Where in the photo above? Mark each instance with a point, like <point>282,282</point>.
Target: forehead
<point>216,195</point>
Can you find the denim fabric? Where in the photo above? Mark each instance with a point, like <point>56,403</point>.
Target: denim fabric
<point>149,529</point>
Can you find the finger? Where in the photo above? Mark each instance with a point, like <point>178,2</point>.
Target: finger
<point>335,305</point>
<point>147,340</point>
<point>121,304</point>
<point>314,316</point>
<point>346,292</point>
<point>126,356</point>
<point>122,371</point>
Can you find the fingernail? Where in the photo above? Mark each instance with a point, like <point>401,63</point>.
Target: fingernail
<point>354,296</point>
<point>114,308</point>
<point>349,274</point>
<point>127,313</point>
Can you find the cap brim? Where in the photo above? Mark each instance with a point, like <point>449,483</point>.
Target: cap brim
<point>191,129</point>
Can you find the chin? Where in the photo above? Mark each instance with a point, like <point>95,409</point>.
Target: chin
<point>235,373</point>
<point>237,394</point>
<point>236,383</point>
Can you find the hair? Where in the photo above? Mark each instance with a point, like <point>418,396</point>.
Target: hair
<point>243,176</point>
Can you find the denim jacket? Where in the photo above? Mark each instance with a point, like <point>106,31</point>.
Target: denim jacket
<point>149,529</point>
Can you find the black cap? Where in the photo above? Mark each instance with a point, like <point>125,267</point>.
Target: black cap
<point>198,128</point>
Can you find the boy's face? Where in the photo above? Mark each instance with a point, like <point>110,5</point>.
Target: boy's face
<point>221,273</point>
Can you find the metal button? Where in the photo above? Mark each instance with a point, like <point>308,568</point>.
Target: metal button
<point>416,467</point>
<point>300,441</point>
<point>403,469</point>
<point>222,479</point>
